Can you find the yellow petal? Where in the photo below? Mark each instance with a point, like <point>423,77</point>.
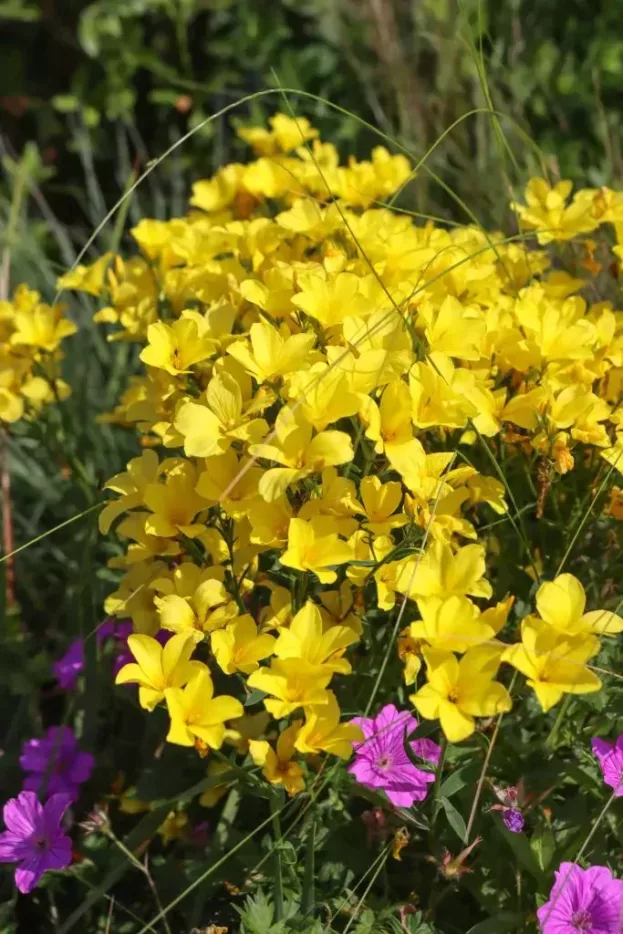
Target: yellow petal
<point>561,602</point>
<point>455,724</point>
<point>148,654</point>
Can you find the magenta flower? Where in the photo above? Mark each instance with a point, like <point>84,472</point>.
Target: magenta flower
<point>34,837</point>
<point>583,900</point>
<point>610,758</point>
<point>55,763</point>
<point>382,762</point>
<point>69,666</point>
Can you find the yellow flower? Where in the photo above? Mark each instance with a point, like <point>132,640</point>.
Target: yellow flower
<point>337,499</point>
<point>270,522</point>
<point>562,602</point>
<point>546,211</point>
<point>389,423</point>
<point>291,132</point>
<point>323,732</point>
<point>176,347</point>
<point>231,482</point>
<point>324,395</point>
<point>330,300</point>
<point>452,329</point>
<point>554,662</point>
<point>457,691</point>
<point>194,600</point>
<point>305,639</point>
<point>314,546</point>
<point>271,353</point>
<point>216,193</point>
<point>615,507</point>
<point>455,624</point>
<point>175,827</point>
<point>277,766</point>
<point>301,454</point>
<point>145,544</point>
<point>11,405</point>
<point>292,683</point>
<point>212,427</point>
<point>197,717</point>
<point>89,279</point>
<point>43,327</point>
<point>435,400</point>
<point>158,668</point>
<point>440,572</point>
<point>131,485</point>
<point>243,729</point>
<point>410,653</point>
<point>135,599</point>
<point>238,647</point>
<point>380,502</point>
<point>174,503</point>
<point>213,795</point>
<point>341,607</point>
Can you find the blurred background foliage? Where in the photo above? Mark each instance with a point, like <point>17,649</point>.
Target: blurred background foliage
<point>103,87</point>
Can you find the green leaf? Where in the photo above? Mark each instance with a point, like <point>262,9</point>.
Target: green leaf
<point>255,697</point>
<point>66,103</point>
<point>453,783</point>
<point>505,921</point>
<point>455,819</point>
<point>14,10</point>
<point>543,846</point>
<point>518,842</point>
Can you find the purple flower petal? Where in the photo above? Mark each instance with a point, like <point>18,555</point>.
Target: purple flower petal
<point>70,665</point>
<point>22,814</point>
<point>55,764</point>
<point>34,838</point>
<point>426,749</point>
<point>53,811</point>
<point>513,819</point>
<point>12,847</point>
<point>610,758</point>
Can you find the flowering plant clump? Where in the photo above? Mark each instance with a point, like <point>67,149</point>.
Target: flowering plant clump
<point>365,449</point>
<point>31,334</point>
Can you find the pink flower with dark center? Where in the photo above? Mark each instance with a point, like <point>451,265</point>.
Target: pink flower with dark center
<point>34,837</point>
<point>583,901</point>
<point>610,758</point>
<point>381,761</point>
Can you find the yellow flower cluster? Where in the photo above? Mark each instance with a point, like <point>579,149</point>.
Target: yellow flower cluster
<point>31,333</point>
<point>313,360</point>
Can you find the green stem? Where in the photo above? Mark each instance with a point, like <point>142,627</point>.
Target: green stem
<point>309,897</point>
<point>438,778</point>
<point>553,733</point>
<point>275,808</point>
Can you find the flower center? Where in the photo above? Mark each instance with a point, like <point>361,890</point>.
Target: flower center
<point>384,762</point>
<point>581,920</point>
<point>40,842</point>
